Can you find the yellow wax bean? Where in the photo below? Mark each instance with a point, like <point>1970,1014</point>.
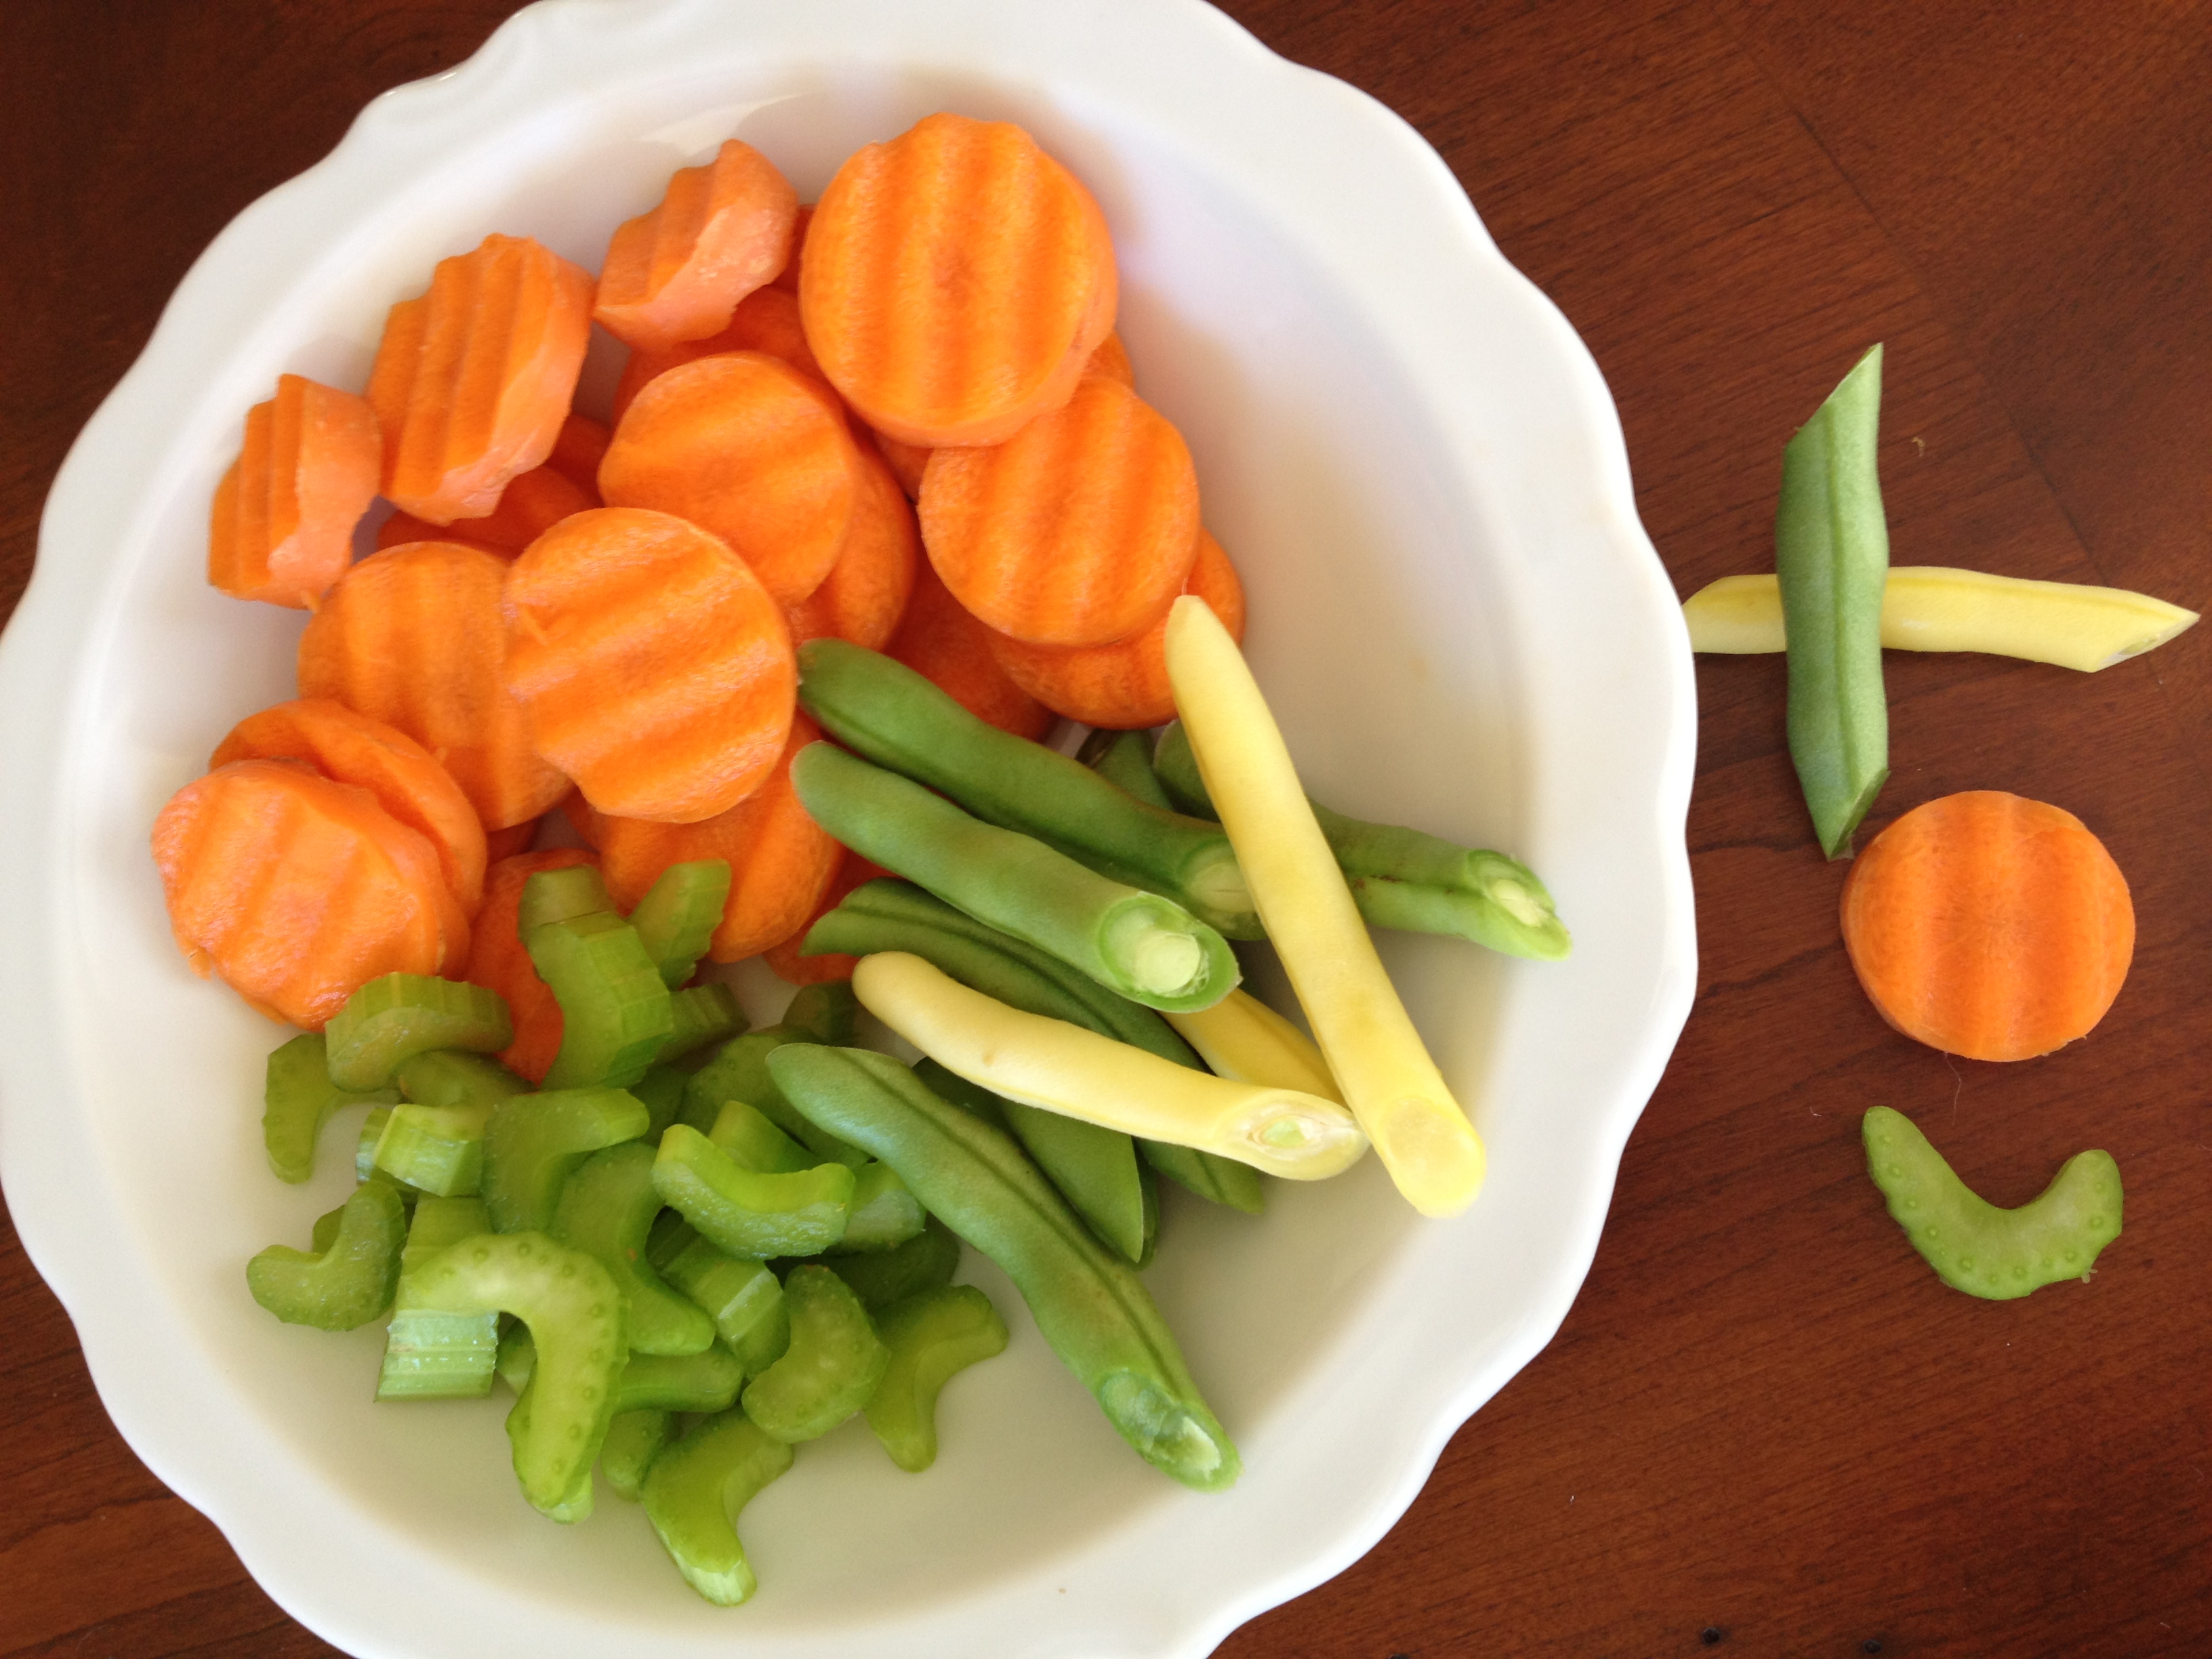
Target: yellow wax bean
<point>1064,1068</point>
<point>1379,1061</point>
<point>1932,608</point>
<point>1242,1037</point>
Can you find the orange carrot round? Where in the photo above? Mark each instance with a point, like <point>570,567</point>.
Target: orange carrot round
<point>1078,529</point>
<point>414,636</point>
<point>284,514</point>
<point>656,670</point>
<point>499,962</point>
<point>952,650</point>
<point>852,871</point>
<point>766,320</point>
<point>1989,926</point>
<point>956,281</point>
<point>720,232</point>
<point>866,590</point>
<point>1112,360</point>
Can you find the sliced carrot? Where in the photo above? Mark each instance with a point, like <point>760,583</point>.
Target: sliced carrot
<point>1989,926</point>
<point>414,636</point>
<point>780,859</point>
<point>506,843</point>
<point>579,450</point>
<point>402,528</point>
<point>405,778</point>
<point>1122,686</point>
<point>296,891</point>
<point>498,961</point>
<point>473,379</point>
<point>1078,529</point>
<point>852,871</point>
<point>748,447</point>
<point>720,232</point>
<point>787,278</point>
<point>866,590</point>
<point>656,670</point>
<point>907,462</point>
<point>766,320</point>
<point>956,280</point>
<point>951,650</point>
<point>284,515</point>
<point>1112,360</point>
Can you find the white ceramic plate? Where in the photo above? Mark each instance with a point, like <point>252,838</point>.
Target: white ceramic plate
<point>1417,467</point>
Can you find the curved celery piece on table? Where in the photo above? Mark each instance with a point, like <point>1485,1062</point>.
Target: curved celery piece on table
<point>833,1365</point>
<point>349,1282</point>
<point>887,713</point>
<point>699,1015</point>
<point>677,918</point>
<point>692,1493</point>
<point>605,1210</point>
<point>616,1016</point>
<point>1832,558</point>
<point>755,1143</point>
<point>1088,1302</point>
<point>454,1076</point>
<point>883,1213</point>
<point>746,1212</point>
<point>633,1439</point>
<point>1124,759</point>
<point>297,1099</point>
<point>534,1143</point>
<point>1144,946</point>
<point>738,1070</point>
<point>743,1296</point>
<point>1973,1245</point>
<point>396,1015</point>
<point>437,1356</point>
<point>932,1338</point>
<point>574,1311</point>
<point>707,1381</point>
<point>924,1262</point>
<point>434,1149</point>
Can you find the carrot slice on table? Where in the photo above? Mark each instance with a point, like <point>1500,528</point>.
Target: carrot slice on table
<point>296,891</point>
<point>951,650</point>
<point>720,232</point>
<point>866,593</point>
<point>1124,685</point>
<point>473,379</point>
<point>765,320</point>
<point>1989,926</point>
<point>498,961</point>
<point>284,514</point>
<point>405,778</point>
<point>852,871</point>
<point>1078,529</point>
<point>414,636</point>
<point>579,450</point>
<point>748,447</point>
<point>656,670</point>
<point>956,280</point>
<point>787,278</point>
<point>781,859</point>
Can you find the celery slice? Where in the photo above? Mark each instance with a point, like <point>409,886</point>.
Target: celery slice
<point>349,1283</point>
<point>633,1440</point>
<point>701,1015</point>
<point>561,895</point>
<point>438,1355</point>
<point>931,1338</point>
<point>677,918</point>
<point>606,1209</point>
<point>297,1099</point>
<point>534,1142</point>
<point>833,1365</point>
<point>398,1015</point>
<point>695,1489</point>
<point>614,1012</point>
<point>434,1149</point>
<point>745,1213</point>
<point>885,1212</point>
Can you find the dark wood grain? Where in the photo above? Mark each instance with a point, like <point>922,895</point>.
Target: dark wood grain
<point>1764,1427</point>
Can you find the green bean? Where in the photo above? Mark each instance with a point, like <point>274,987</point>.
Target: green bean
<point>605,1208</point>
<point>1832,558</point>
<point>397,1015</point>
<point>924,1262</point>
<point>1138,944</point>
<point>677,918</point>
<point>534,1142</point>
<point>833,1365</point>
<point>884,711</point>
<point>349,1282</point>
<point>931,1338</point>
<point>1124,759</point>
<point>693,1493</point>
<point>297,1100</point>
<point>437,1356</point>
<point>633,1440</point>
<point>747,1213</point>
<point>1089,1304</point>
<point>1976,1247</point>
<point>823,1014</point>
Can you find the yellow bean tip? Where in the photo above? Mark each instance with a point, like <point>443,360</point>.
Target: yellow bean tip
<point>1432,1153</point>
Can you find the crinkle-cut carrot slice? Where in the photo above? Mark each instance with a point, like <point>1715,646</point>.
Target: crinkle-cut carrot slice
<point>866,593</point>
<point>498,961</point>
<point>1124,685</point>
<point>720,232</point>
<point>951,650</point>
<point>405,778</point>
<point>780,859</point>
<point>766,320</point>
<point>579,450</point>
<point>852,871</point>
<point>402,528</point>
<point>296,891</point>
<point>787,278</point>
<point>506,843</point>
<point>414,636</point>
<point>1990,925</point>
<point>1078,529</point>
<point>748,447</point>
<point>473,379</point>
<point>532,503</point>
<point>956,281</point>
<point>284,514</point>
<point>656,670</point>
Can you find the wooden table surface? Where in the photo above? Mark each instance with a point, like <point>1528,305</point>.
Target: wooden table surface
<point>1764,1427</point>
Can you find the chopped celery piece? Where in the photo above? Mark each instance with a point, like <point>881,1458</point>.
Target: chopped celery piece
<point>372,1132</point>
<point>756,1144</point>
<point>707,1381</point>
<point>824,1013</point>
<point>703,1014</point>
<point>741,1295</point>
<point>325,1231</point>
<point>605,1210</point>
<point>884,1214</point>
<point>435,1149</point>
<point>746,1212</point>
<point>535,1141</point>
<point>677,918</point>
<point>349,1282</point>
<point>633,1440</point>
<point>739,1071</point>
<point>693,1491</point>
<point>401,1014</point>
<point>559,896</point>
<point>931,1337</point>
<point>297,1099</point>
<point>660,1090</point>
<point>438,1355</point>
<point>924,1262</point>
<point>833,1365</point>
<point>454,1076</point>
<point>615,1012</point>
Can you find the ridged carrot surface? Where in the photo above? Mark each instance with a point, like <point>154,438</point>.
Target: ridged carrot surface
<point>414,636</point>
<point>787,278</point>
<point>1989,926</point>
<point>498,961</point>
<point>951,650</point>
<point>721,231</point>
<point>852,871</point>
<point>296,891</point>
<point>766,320</point>
<point>866,593</point>
<point>748,447</point>
<point>1124,685</point>
<point>284,514</point>
<point>780,859</point>
<point>473,379</point>
<point>405,778</point>
<point>956,281</point>
<point>1078,529</point>
<point>579,450</point>
<point>656,670</point>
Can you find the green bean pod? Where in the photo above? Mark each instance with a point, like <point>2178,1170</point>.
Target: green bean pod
<point>605,1210</point>
<point>297,1099</point>
<point>833,1365</point>
<point>1832,558</point>
<point>693,1491</point>
<point>350,1280</point>
<point>1137,943</point>
<point>1089,1304</point>
<point>397,1015</point>
<point>931,1337</point>
<point>1124,759</point>
<point>880,708</point>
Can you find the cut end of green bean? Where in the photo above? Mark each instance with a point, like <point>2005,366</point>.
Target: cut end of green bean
<point>1167,1434</point>
<point>1164,956</point>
